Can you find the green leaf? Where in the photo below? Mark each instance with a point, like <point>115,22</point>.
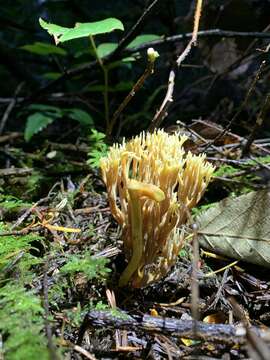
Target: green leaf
<point>35,123</point>
<point>53,29</point>
<point>141,39</point>
<point>239,228</point>
<point>40,48</point>
<point>49,109</point>
<point>105,49</point>
<point>81,116</point>
<point>62,34</point>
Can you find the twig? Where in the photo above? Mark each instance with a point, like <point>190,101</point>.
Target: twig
<point>152,55</point>
<point>15,172</point>
<point>162,112</point>
<point>228,334</point>
<point>84,352</point>
<point>168,99</point>
<point>21,232</point>
<point>10,108</point>
<point>51,346</point>
<point>117,54</point>
<point>256,344</point>
<point>258,124</point>
<point>241,107</point>
<point>194,280</point>
<point>134,31</point>
<point>9,137</point>
<point>201,34</point>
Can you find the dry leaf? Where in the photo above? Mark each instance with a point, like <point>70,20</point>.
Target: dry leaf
<point>239,228</point>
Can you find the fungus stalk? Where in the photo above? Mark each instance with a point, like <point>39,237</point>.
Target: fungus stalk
<point>137,191</point>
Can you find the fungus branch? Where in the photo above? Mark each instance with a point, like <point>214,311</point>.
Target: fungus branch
<point>158,184</point>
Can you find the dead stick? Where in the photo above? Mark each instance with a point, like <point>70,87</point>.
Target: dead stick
<point>228,334</point>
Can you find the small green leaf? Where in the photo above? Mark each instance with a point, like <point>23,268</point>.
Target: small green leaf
<point>62,34</point>
<point>35,123</point>
<point>40,48</point>
<point>81,116</point>
<point>53,29</point>
<point>141,39</point>
<point>105,49</point>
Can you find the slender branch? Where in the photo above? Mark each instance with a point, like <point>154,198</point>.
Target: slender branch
<point>134,31</point>
<point>10,108</point>
<point>258,124</point>
<point>162,112</point>
<point>148,71</point>
<point>168,99</point>
<point>241,107</point>
<point>117,54</point>
<point>201,34</point>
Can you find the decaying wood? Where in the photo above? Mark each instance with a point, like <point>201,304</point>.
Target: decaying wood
<point>222,333</point>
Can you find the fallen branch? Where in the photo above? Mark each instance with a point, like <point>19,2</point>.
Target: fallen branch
<point>228,334</point>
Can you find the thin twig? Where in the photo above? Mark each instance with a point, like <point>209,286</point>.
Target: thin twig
<point>258,124</point>
<point>241,107</point>
<point>255,343</point>
<point>117,54</point>
<point>148,71</point>
<point>194,280</point>
<point>162,112</point>
<point>201,34</point>
<point>10,108</point>
<point>134,31</point>
<point>15,172</point>
<point>168,99</point>
<point>51,346</point>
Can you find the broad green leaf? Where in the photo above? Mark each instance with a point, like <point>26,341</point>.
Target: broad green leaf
<point>105,49</point>
<point>35,123</point>
<point>54,110</point>
<point>62,34</point>
<point>239,228</point>
<point>40,48</point>
<point>141,39</point>
<point>81,116</point>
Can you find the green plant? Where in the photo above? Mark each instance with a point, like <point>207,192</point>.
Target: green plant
<point>101,51</point>
<point>21,311</point>
<point>98,147</point>
<point>21,323</point>
<point>10,202</point>
<point>89,266</point>
<point>43,115</point>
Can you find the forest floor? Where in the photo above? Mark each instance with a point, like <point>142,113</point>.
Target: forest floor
<point>61,257</point>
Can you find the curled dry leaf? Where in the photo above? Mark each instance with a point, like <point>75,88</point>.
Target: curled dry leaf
<point>239,228</point>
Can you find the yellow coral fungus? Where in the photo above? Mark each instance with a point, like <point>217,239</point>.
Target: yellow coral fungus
<point>157,183</point>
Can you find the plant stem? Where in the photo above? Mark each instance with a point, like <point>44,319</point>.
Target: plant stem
<point>106,82</point>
